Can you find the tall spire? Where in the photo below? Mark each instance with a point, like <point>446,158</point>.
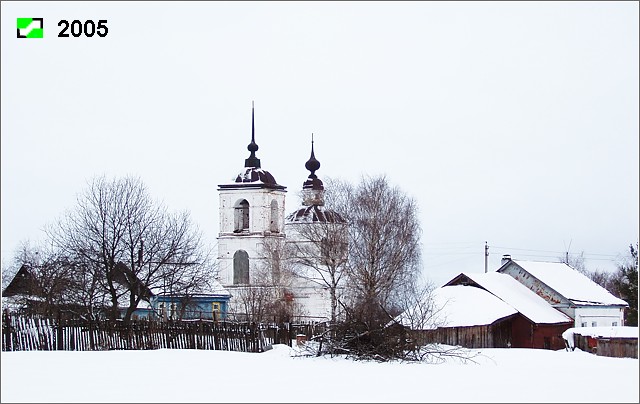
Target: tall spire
<point>252,161</point>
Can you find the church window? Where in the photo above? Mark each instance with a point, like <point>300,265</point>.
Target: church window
<point>273,227</point>
<point>240,267</point>
<point>241,216</point>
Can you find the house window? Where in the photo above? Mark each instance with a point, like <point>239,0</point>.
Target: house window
<point>215,310</point>
<point>241,216</point>
<point>240,267</point>
<point>173,314</point>
<point>161,311</point>
<point>594,324</point>
<point>584,324</point>
<point>614,324</point>
<point>273,226</point>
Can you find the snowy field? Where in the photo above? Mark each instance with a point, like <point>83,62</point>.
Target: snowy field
<point>281,375</point>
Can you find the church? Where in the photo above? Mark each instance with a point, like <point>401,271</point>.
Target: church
<point>260,246</point>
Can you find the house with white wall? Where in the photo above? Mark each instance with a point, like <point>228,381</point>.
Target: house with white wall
<point>568,290</point>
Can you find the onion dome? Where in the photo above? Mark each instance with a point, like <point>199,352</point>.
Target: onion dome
<point>313,210</point>
<point>313,182</point>
<point>253,175</point>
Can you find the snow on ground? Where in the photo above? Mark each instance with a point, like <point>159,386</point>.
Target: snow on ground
<point>281,375</point>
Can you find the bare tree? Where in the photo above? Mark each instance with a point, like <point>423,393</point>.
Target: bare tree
<point>279,275</point>
<point>419,308</point>
<point>252,302</point>
<point>384,259</point>
<point>576,261</point>
<point>270,296</point>
<point>384,244</point>
<point>322,246</point>
<point>39,279</point>
<point>421,316</point>
<point>129,245</point>
<point>602,278</point>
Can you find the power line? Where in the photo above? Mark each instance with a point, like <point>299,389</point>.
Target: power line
<point>557,252</point>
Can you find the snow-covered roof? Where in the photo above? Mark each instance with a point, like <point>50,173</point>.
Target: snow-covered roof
<point>253,177</point>
<point>216,289</point>
<point>519,297</point>
<point>143,304</point>
<point>459,306</point>
<point>600,332</point>
<point>570,283</point>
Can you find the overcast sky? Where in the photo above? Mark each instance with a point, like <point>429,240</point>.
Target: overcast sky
<point>510,123</point>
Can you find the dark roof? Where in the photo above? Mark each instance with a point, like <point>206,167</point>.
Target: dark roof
<point>23,283</point>
<point>253,178</point>
<point>123,275</point>
<point>257,175</point>
<point>314,214</point>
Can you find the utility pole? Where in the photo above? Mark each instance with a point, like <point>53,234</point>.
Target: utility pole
<point>486,257</point>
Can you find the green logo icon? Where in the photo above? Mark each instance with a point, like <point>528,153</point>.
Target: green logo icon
<point>30,27</point>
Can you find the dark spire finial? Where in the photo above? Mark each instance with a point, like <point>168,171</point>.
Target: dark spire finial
<point>252,161</point>
<point>312,164</point>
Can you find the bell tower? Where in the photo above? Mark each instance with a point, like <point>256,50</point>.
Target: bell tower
<point>252,209</point>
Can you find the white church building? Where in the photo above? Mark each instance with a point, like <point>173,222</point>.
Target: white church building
<point>253,220</point>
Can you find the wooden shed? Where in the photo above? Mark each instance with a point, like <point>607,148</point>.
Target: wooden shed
<point>463,316</point>
<point>536,325</point>
<point>617,342</point>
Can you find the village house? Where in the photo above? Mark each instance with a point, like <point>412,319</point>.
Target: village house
<point>23,293</point>
<point>490,310</point>
<point>208,305</point>
<point>538,326</point>
<point>461,316</point>
<point>564,288</point>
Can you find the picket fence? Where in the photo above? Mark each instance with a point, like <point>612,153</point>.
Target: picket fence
<point>20,333</point>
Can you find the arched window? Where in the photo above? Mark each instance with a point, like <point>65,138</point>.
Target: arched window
<point>240,268</point>
<point>273,226</point>
<point>241,216</point>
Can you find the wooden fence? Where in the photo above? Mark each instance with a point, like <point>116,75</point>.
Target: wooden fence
<point>21,333</point>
